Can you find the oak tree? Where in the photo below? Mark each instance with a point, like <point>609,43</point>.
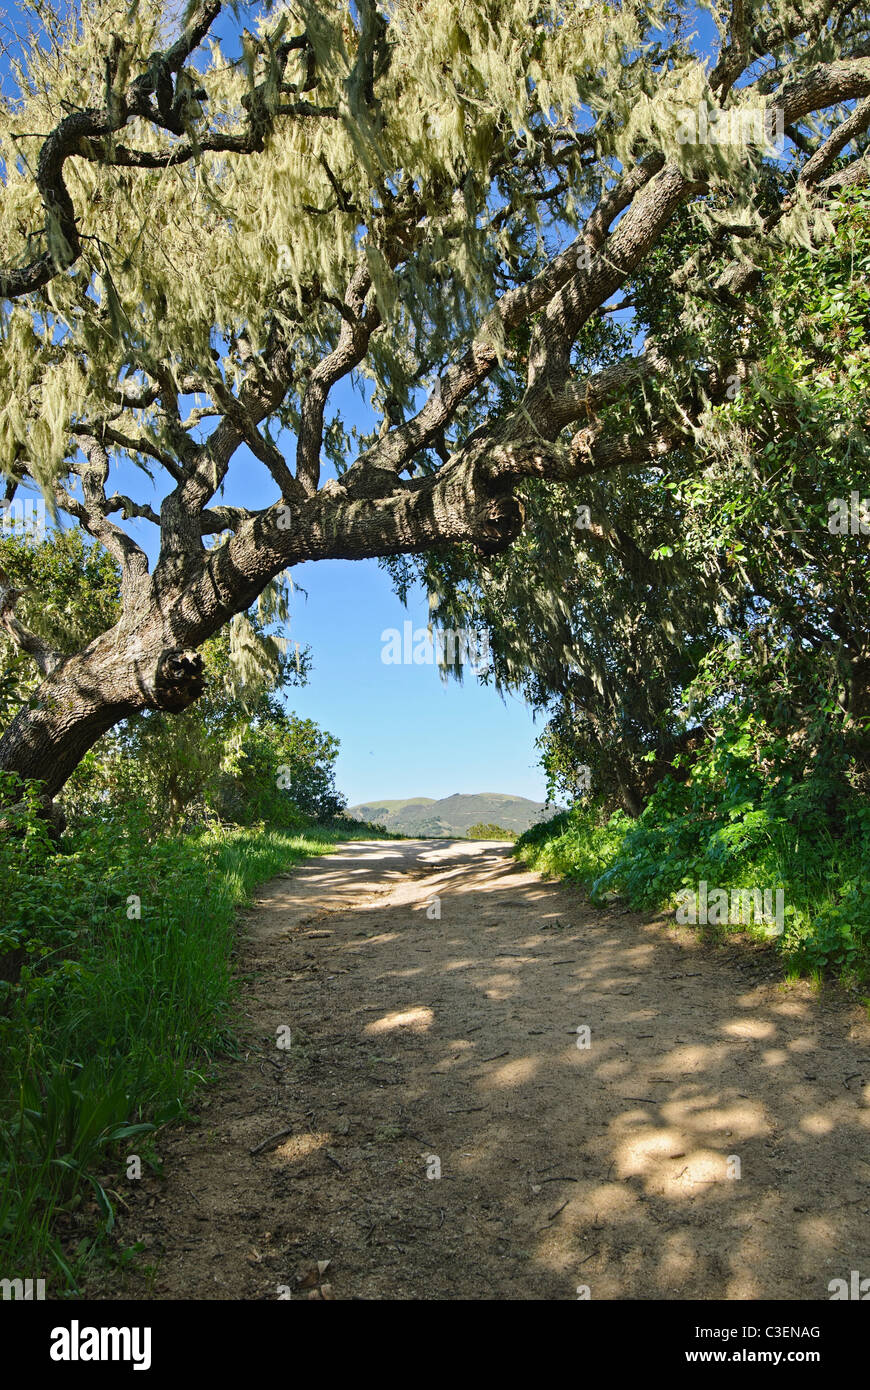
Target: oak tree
<point>207,227</point>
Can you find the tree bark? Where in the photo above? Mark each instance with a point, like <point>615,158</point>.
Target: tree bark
<point>120,674</point>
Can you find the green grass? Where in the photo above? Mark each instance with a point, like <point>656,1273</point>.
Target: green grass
<point>109,1020</point>
<point>804,839</point>
<point>575,844</point>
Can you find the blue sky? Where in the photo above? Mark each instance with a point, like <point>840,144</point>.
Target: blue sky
<point>403,731</point>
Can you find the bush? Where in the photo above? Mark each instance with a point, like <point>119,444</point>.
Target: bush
<point>576,844</point>
<point>483,831</point>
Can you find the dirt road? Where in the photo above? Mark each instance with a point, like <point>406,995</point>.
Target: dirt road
<point>440,1129</point>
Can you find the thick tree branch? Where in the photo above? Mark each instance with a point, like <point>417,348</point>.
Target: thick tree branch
<point>353,340</point>
<point>46,658</point>
<point>820,162</point>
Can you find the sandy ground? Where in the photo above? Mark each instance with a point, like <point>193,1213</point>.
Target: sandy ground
<point>437,1127</point>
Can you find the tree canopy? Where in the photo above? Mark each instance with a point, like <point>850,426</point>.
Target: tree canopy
<point>201,237</point>
<point>730,570</point>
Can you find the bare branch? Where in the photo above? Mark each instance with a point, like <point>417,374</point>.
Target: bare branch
<point>138,445</point>
<point>216,520</point>
<point>128,508</point>
<point>91,513</point>
<point>353,340</point>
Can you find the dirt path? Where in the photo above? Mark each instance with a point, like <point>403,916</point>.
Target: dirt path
<point>417,1042</point>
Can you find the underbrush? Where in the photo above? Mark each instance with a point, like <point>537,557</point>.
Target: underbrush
<point>730,828</point>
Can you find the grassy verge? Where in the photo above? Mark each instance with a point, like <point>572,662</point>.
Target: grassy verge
<point>116,994</point>
<point>816,858</point>
<point>575,844</point>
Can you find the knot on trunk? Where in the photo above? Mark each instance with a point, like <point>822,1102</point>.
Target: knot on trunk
<point>494,472</point>
<point>501,523</point>
<point>501,516</point>
<point>179,680</point>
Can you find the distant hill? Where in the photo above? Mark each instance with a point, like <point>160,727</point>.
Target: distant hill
<point>420,816</point>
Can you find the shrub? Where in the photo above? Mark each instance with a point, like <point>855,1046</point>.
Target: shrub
<point>487,831</point>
